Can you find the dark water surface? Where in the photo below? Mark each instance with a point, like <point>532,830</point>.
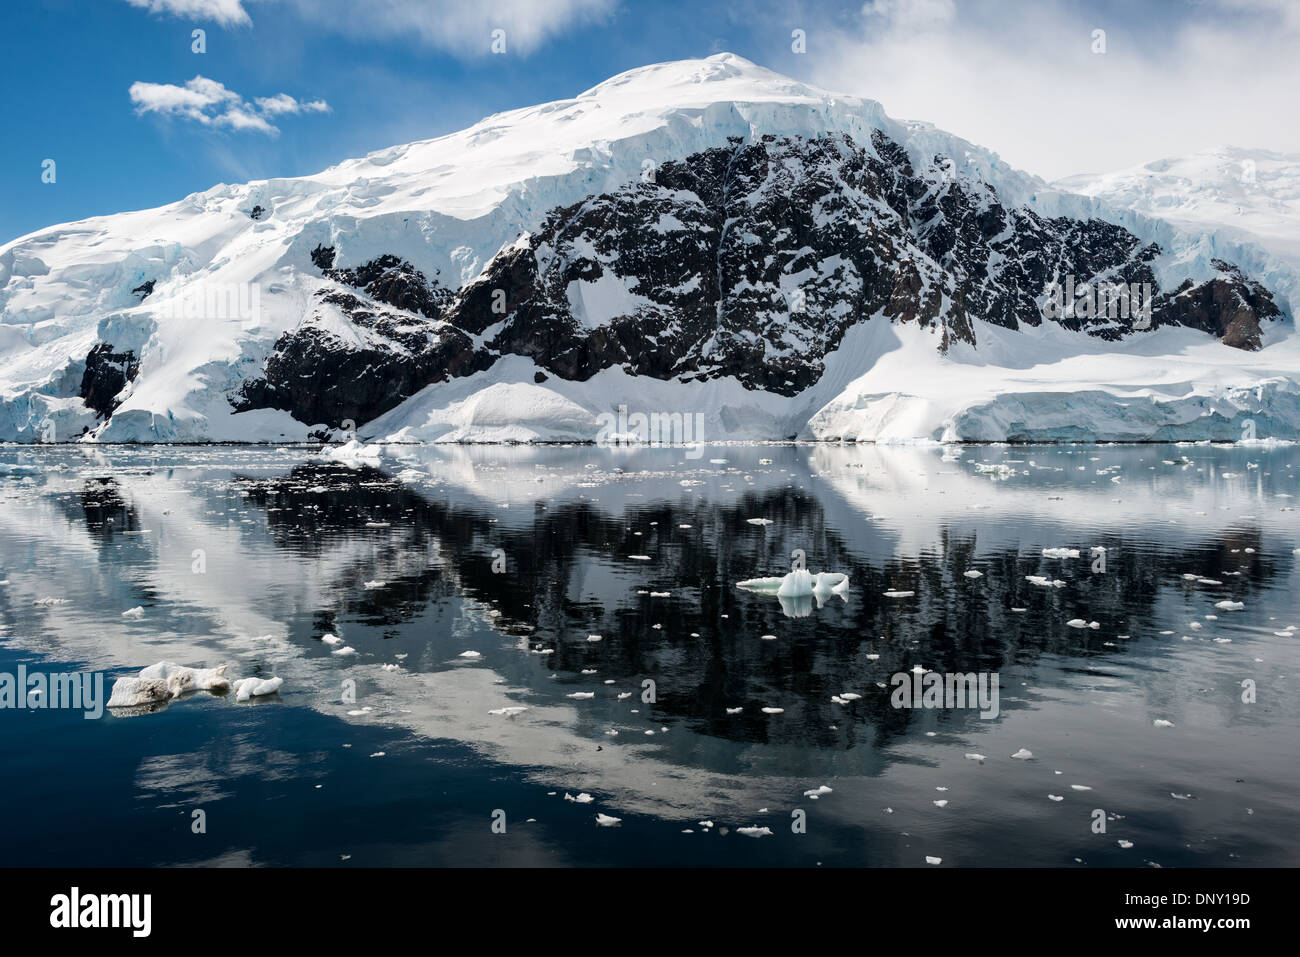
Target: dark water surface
<point>247,556</point>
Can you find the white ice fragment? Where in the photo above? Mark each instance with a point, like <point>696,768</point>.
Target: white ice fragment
<point>246,688</point>
<point>754,831</point>
<point>604,820</point>
<point>137,612</point>
<point>1023,754</point>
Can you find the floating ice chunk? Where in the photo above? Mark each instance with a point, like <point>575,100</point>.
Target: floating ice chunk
<point>375,584</point>
<point>352,453</point>
<point>975,757</point>
<point>899,594</point>
<point>734,710</point>
<point>469,654</point>
<point>1228,605</point>
<point>764,585</point>
<point>1045,582</point>
<point>1080,787</point>
<point>933,860</point>
<point>773,710</point>
<point>767,637</point>
<point>1055,797</point>
<point>1060,553</point>
<point>137,692</point>
<point>511,711</point>
<point>1080,623</point>
<point>623,695</point>
<point>159,683</point>
<point>972,573</point>
<point>581,695</point>
<point>604,820</point>
<point>754,831</point>
<point>583,798</point>
<point>639,558</point>
<point>331,639</point>
<point>1023,754</point>
<point>183,679</point>
<point>46,602</point>
<point>768,521</point>
<point>1162,723</point>
<point>246,688</point>
<point>1124,844</point>
<point>344,652</point>
<point>799,583</point>
<point>817,792</point>
<point>137,612</point>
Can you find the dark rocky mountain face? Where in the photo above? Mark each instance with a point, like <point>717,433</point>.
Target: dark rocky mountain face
<point>749,260</point>
<point>106,374</point>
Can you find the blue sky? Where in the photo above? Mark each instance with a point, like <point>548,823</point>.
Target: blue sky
<point>99,86</point>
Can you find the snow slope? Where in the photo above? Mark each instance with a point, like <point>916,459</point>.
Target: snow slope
<point>448,205</point>
<point>1249,193</point>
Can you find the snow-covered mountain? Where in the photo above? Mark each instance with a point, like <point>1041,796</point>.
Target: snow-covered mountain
<point>1249,193</point>
<point>705,240</point>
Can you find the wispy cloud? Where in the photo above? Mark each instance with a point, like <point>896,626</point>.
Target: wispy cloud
<point>463,29</point>
<point>1024,77</point>
<point>212,104</point>
<point>455,26</point>
<point>228,13</point>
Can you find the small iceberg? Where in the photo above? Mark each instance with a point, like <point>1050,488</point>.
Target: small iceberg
<point>798,590</point>
<point>246,688</point>
<point>158,684</point>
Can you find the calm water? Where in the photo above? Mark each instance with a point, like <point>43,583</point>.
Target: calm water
<point>248,556</point>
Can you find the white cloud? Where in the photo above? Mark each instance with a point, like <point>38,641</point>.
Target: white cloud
<point>460,27</point>
<point>456,26</point>
<point>228,13</point>
<point>1020,77</point>
<point>210,103</point>
<point>282,104</point>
